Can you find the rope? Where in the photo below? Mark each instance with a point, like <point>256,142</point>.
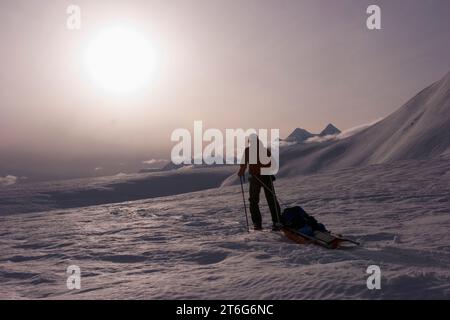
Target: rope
<point>270,190</point>
<point>245,206</point>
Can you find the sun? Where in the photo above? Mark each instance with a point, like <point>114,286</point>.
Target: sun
<point>121,60</point>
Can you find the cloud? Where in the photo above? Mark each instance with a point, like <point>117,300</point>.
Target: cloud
<point>345,134</point>
<point>186,168</point>
<point>120,174</point>
<point>350,132</point>
<point>8,180</point>
<point>152,162</point>
<point>284,143</point>
<point>318,139</point>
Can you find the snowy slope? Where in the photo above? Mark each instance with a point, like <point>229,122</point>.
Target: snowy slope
<point>195,245</point>
<point>387,186</point>
<point>418,130</point>
<point>44,196</point>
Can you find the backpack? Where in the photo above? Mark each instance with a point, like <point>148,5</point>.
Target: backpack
<point>297,218</point>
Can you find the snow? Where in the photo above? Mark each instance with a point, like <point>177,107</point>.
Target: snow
<point>143,236</point>
<point>195,245</point>
<point>418,130</point>
<point>44,196</point>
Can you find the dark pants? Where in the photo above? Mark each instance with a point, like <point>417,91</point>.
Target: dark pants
<point>255,190</point>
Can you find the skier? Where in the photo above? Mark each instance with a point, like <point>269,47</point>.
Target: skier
<point>258,181</point>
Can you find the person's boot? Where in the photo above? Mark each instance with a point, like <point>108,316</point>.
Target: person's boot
<point>257,227</point>
<point>277,227</point>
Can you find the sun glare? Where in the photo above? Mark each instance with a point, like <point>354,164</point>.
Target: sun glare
<point>120,60</point>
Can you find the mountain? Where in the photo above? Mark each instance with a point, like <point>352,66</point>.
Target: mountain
<point>420,129</point>
<point>329,130</point>
<point>299,135</point>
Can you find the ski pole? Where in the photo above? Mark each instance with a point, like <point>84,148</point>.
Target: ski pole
<point>245,205</point>
<point>275,200</point>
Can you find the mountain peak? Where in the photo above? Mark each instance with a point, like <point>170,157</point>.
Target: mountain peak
<point>299,135</point>
<point>330,129</point>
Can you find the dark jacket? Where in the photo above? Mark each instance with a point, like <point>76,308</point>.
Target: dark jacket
<point>254,168</point>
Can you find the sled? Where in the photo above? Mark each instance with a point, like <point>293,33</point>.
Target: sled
<point>324,239</point>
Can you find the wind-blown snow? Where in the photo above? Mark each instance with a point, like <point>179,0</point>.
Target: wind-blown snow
<point>354,130</point>
<point>341,135</point>
<point>418,130</point>
<point>195,245</point>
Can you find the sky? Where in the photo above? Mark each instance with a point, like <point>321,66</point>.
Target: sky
<point>231,64</point>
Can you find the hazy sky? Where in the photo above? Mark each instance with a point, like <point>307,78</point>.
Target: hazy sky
<point>243,63</point>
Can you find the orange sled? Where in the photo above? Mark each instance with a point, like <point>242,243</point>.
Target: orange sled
<point>324,239</point>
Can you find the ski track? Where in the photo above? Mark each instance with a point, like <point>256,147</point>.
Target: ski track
<point>195,246</point>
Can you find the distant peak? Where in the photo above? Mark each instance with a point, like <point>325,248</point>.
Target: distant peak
<point>299,135</point>
<point>297,130</point>
<point>330,129</point>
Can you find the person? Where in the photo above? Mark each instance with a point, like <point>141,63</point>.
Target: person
<point>258,181</point>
